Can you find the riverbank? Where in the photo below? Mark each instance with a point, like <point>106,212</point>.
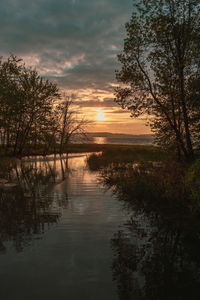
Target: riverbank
<point>116,150</point>
<point>132,213</point>
<point>41,150</point>
<point>118,154</point>
<point>109,153</point>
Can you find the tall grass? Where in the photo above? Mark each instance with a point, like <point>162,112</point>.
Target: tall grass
<point>118,154</point>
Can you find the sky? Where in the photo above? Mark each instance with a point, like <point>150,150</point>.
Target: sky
<point>75,44</point>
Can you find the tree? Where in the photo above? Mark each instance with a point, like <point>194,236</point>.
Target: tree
<point>9,92</point>
<point>39,98</point>
<point>26,102</point>
<point>69,123</point>
<point>32,113</point>
<point>161,68</point>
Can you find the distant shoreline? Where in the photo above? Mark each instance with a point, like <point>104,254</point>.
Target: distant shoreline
<point>118,138</point>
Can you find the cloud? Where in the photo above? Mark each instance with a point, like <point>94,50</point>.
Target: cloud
<point>105,103</point>
<point>72,42</point>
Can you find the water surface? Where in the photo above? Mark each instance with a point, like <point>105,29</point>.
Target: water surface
<point>129,231</point>
<point>55,231</point>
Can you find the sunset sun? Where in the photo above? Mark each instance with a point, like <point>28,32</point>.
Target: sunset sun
<point>100,116</point>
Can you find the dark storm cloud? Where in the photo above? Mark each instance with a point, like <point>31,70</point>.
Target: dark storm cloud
<point>74,42</point>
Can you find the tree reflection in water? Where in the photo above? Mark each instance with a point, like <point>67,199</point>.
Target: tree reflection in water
<point>156,255</point>
<point>29,208</point>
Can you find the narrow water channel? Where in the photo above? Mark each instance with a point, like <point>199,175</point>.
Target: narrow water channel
<point>56,227</point>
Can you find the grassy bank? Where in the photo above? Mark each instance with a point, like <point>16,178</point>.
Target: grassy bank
<point>125,154</point>
<point>71,148</point>
<point>110,151</point>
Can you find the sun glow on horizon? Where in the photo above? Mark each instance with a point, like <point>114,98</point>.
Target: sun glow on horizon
<point>100,115</point>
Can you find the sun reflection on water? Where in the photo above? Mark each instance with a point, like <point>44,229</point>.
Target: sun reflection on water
<point>100,140</point>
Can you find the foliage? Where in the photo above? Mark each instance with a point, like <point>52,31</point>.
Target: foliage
<point>32,112</point>
<point>160,70</point>
<point>156,251</point>
<point>26,104</point>
<point>120,154</point>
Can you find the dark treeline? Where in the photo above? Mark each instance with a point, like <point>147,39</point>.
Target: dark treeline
<point>32,111</point>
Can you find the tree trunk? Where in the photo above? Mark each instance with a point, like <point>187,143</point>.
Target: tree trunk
<point>185,118</point>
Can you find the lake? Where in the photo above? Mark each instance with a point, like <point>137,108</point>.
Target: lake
<point>116,138</point>
<point>123,139</point>
<point>125,232</point>
<point>56,230</point>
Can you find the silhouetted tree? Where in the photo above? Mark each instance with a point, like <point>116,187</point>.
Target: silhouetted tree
<point>70,125</point>
<point>160,69</point>
<point>26,102</point>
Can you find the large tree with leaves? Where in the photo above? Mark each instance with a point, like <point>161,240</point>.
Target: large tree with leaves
<point>26,105</point>
<point>161,69</point>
